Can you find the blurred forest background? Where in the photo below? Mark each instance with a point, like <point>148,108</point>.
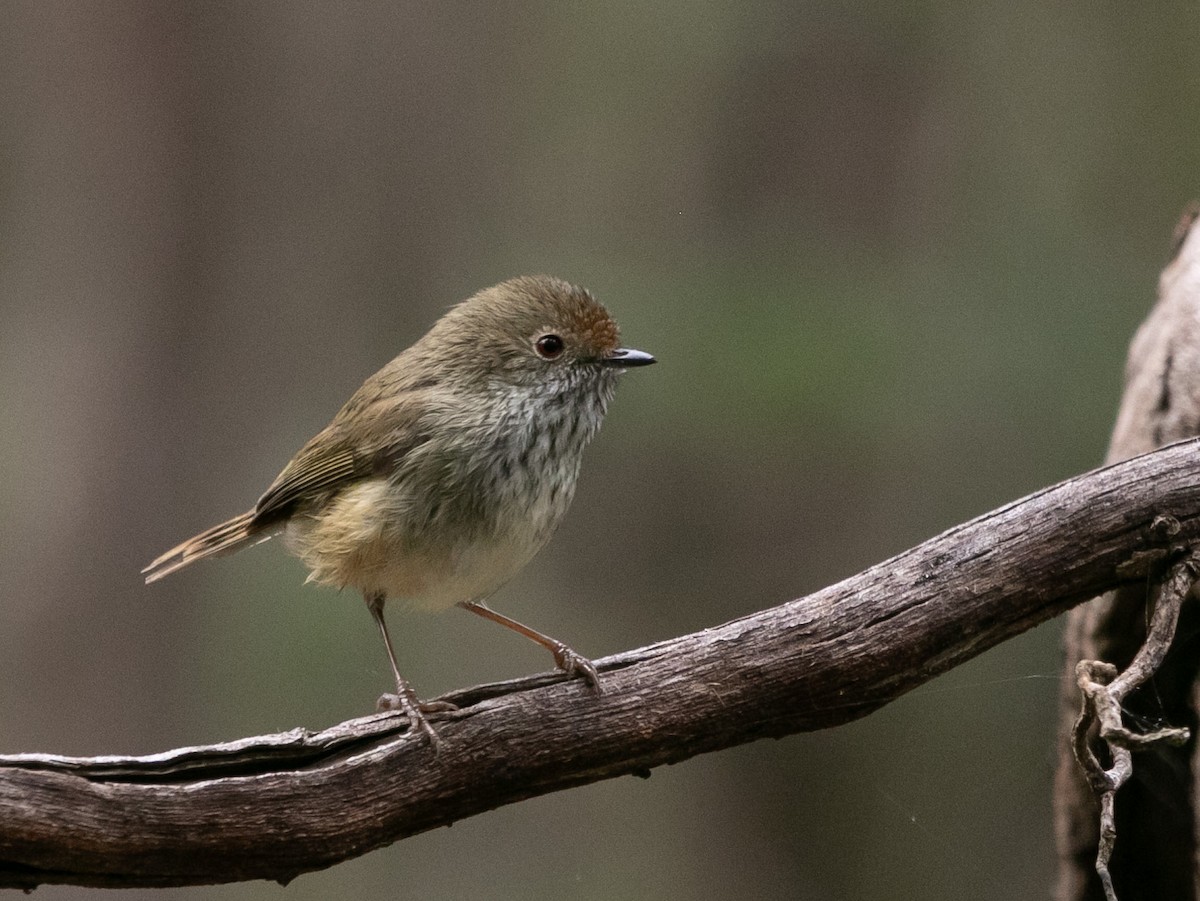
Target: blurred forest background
<point>890,257</point>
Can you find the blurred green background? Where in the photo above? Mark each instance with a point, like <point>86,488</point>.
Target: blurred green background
<point>889,255</point>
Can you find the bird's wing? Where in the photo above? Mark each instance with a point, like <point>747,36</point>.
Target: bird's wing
<point>314,471</point>
<point>344,452</point>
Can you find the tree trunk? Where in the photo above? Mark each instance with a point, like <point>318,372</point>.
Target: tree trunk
<point>1154,856</point>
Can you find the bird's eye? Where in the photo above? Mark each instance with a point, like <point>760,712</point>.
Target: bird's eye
<point>550,347</point>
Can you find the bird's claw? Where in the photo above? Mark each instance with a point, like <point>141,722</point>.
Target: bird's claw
<point>576,665</point>
<point>415,710</point>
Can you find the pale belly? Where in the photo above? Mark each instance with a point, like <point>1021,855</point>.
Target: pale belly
<point>353,543</point>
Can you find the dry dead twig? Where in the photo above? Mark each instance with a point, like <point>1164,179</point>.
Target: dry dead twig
<point>1104,691</point>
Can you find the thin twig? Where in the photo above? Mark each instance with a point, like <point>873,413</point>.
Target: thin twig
<point>1104,691</point>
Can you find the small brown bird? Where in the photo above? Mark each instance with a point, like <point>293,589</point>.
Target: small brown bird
<point>450,467</point>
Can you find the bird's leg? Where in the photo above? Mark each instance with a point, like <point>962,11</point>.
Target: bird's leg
<point>405,698</point>
<point>567,660</point>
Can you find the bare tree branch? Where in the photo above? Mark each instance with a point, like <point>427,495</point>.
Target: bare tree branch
<point>275,806</point>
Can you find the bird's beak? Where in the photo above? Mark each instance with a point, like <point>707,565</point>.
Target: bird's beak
<point>626,358</point>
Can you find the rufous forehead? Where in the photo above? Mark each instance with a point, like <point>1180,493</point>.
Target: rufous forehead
<point>594,327</point>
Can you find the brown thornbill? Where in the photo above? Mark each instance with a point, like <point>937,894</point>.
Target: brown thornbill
<point>450,467</point>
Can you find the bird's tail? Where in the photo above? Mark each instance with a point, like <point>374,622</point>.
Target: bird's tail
<point>226,538</point>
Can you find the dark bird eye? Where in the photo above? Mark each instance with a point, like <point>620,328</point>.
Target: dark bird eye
<point>550,347</point>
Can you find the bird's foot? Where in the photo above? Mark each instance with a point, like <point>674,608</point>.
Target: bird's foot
<point>415,709</point>
<point>576,665</point>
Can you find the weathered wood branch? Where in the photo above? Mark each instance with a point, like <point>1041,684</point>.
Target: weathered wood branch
<point>275,806</point>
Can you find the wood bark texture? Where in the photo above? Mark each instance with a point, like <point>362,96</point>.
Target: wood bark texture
<point>1155,811</point>
<point>272,807</point>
